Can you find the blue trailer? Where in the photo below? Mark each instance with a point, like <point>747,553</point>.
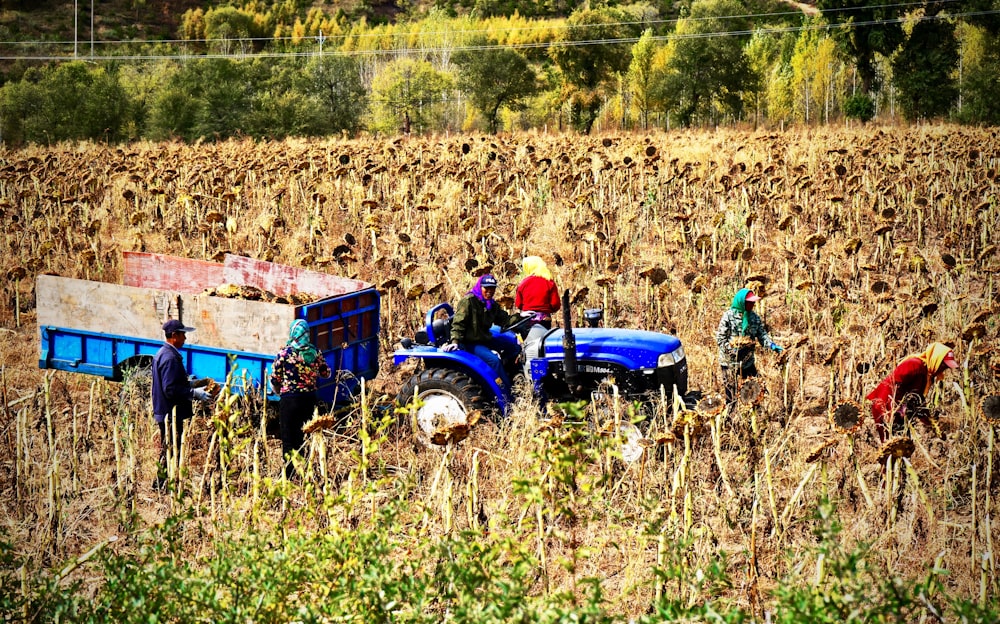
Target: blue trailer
<point>104,329</point>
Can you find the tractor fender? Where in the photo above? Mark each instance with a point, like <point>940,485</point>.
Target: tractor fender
<point>463,361</point>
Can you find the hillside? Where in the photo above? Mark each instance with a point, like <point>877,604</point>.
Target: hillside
<point>53,20</point>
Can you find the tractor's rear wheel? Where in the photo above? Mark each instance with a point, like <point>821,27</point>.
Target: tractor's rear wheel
<point>445,398</point>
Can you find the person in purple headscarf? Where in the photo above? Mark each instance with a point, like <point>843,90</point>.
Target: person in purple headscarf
<point>470,327</point>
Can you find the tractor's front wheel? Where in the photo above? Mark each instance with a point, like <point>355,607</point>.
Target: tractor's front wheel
<point>445,399</point>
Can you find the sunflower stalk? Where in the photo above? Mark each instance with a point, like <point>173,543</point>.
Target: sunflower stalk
<point>975,527</point>
<point>989,472</point>
<point>914,480</point>
<point>717,449</point>
<point>786,514</point>
<point>770,489</point>
<point>661,555</point>
<point>438,477</point>
<point>255,475</point>
<point>472,494</point>
<point>862,484</point>
<point>892,486</point>
<point>205,468</point>
<point>542,560</point>
<point>447,502</point>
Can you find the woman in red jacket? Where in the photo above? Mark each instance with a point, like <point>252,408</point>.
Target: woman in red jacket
<point>902,392</point>
<point>536,293</point>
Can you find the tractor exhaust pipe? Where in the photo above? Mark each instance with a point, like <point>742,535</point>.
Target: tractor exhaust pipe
<point>569,345</point>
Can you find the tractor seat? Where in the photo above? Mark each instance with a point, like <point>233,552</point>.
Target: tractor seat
<point>441,329</point>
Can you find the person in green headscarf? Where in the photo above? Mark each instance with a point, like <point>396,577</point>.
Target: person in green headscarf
<point>295,376</point>
<point>739,329</point>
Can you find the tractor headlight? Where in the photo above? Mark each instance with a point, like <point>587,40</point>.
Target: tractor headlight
<point>669,359</point>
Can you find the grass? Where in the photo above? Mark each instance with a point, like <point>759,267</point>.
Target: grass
<point>523,522</point>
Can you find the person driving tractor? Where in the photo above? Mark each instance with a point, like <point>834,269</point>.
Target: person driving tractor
<point>476,312</point>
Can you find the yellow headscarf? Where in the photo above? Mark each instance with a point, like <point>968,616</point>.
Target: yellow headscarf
<point>533,265</point>
<point>933,358</point>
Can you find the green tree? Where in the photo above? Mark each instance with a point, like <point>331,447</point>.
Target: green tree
<point>19,119</point>
<point>106,108</point>
<point>814,76</point>
<point>227,24</point>
<point>864,28</point>
<point>70,101</point>
<point>769,53</point>
<point>143,82</point>
<point>981,80</point>
<point>640,76</point>
<point>173,114</point>
<point>207,98</point>
<point>279,105</point>
<point>923,71</point>
<point>335,81</point>
<point>859,106</point>
<point>226,89</point>
<point>590,52</point>
<point>707,70</point>
<point>494,77</point>
<point>407,96</point>
<point>780,94</point>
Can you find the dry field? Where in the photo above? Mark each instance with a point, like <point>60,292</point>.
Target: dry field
<point>868,243</point>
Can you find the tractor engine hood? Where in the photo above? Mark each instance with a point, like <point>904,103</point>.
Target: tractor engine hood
<point>632,348</point>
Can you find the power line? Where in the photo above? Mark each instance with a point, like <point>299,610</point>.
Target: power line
<point>439,49</point>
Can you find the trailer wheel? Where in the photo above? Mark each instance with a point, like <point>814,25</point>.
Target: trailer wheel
<point>445,397</point>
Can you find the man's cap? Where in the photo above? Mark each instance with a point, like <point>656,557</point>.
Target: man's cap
<point>751,296</point>
<point>173,325</point>
<point>489,281</point>
<point>950,361</point>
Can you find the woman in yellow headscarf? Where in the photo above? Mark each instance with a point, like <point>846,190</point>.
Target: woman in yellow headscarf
<point>906,386</point>
<point>537,292</point>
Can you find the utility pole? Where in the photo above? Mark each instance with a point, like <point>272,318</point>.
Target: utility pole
<point>76,19</point>
<point>91,29</point>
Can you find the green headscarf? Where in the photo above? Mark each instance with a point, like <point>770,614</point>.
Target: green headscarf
<point>298,340</point>
<point>740,303</point>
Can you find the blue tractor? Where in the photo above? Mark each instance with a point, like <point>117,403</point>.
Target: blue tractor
<point>564,364</point>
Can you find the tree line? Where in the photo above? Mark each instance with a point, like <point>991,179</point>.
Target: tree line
<point>603,67</point>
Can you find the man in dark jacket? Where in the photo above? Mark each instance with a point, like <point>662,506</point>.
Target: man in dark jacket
<point>470,327</point>
<point>172,392</point>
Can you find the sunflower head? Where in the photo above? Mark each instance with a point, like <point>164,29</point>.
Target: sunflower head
<point>897,447</point>
<point>991,409</point>
<point>817,451</point>
<point>846,417</point>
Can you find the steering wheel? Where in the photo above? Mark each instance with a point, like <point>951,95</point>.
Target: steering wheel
<point>526,317</point>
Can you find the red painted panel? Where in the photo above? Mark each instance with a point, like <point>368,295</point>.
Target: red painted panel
<point>284,280</point>
<point>184,275</point>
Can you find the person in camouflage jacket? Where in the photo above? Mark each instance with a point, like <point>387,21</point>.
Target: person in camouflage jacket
<point>739,329</point>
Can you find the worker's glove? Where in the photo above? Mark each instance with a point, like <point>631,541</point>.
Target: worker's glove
<point>448,348</point>
<point>200,394</point>
<point>777,348</point>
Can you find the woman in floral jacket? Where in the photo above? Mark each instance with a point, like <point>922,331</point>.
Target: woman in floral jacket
<point>739,329</point>
<point>295,376</point>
